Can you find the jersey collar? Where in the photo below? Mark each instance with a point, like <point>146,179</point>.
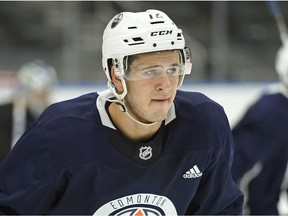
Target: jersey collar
<point>104,97</point>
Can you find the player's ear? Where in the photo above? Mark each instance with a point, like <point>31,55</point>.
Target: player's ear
<point>117,82</point>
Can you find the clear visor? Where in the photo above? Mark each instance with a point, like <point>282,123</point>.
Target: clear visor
<point>142,72</point>
<point>173,68</point>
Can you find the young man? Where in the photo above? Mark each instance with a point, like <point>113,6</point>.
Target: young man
<point>140,148</point>
<point>261,145</point>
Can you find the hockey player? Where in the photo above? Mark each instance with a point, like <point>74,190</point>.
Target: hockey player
<point>142,147</point>
<point>261,145</point>
<point>34,83</point>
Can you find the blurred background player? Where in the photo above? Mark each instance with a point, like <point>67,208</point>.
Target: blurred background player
<point>35,81</point>
<point>261,144</point>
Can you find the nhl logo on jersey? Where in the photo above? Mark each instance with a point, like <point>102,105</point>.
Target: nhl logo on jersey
<point>145,152</point>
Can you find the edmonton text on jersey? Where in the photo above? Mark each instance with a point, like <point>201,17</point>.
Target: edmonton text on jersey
<point>138,202</point>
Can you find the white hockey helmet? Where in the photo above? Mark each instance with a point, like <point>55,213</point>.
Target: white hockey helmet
<point>130,33</point>
<point>282,63</point>
<point>36,75</point>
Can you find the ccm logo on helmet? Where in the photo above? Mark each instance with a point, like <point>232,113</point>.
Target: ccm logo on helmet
<point>166,32</point>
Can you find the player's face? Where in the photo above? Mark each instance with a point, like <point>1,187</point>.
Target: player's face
<point>149,99</point>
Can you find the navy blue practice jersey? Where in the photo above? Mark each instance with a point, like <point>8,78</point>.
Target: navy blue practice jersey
<point>73,160</point>
<point>261,152</point>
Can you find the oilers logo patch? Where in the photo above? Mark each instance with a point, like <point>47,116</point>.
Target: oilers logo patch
<point>116,20</point>
<point>145,152</point>
<point>138,205</point>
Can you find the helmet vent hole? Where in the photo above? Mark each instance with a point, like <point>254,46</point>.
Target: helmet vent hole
<point>132,27</point>
<point>137,39</point>
<point>157,22</point>
<point>172,43</point>
<point>179,36</point>
<point>154,44</point>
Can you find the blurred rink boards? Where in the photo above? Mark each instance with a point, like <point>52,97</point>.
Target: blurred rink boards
<point>235,97</point>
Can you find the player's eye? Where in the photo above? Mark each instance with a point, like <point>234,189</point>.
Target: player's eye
<point>151,73</point>
<point>172,71</point>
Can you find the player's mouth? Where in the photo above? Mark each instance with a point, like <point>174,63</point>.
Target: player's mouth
<point>160,100</point>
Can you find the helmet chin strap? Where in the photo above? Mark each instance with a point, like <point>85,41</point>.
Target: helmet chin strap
<point>139,122</point>
<point>122,106</point>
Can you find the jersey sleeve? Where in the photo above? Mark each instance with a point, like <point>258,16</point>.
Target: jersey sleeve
<point>252,133</point>
<point>246,144</point>
<point>217,192</point>
<point>260,158</point>
<point>26,181</point>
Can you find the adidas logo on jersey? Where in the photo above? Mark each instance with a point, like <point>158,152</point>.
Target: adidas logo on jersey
<point>194,172</point>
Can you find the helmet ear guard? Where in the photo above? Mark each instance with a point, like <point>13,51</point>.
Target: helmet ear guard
<point>115,65</point>
<point>111,85</point>
<point>114,91</point>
